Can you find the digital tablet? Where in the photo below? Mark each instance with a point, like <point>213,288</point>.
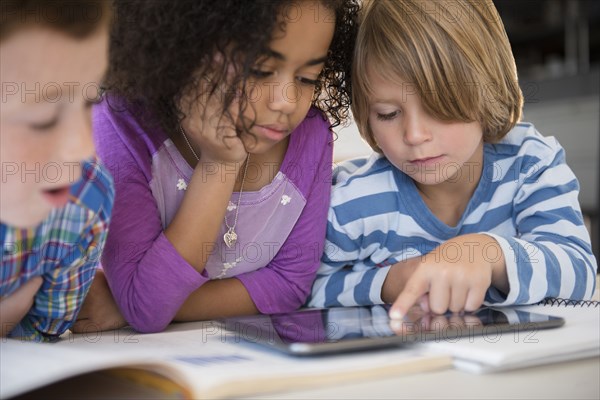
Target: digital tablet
<point>333,330</point>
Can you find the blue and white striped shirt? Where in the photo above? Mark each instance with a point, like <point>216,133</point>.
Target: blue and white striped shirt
<point>526,199</point>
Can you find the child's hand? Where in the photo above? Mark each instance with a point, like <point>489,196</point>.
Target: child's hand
<point>211,132</point>
<point>99,311</point>
<point>16,305</point>
<point>455,276</point>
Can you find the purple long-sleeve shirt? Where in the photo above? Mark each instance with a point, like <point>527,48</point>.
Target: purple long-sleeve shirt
<point>281,228</point>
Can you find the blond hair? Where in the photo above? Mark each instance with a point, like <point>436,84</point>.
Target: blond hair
<point>456,54</point>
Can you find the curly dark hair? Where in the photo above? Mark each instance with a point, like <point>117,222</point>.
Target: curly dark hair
<point>159,49</point>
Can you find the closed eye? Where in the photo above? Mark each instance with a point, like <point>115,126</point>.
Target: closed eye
<point>387,117</point>
<point>44,126</point>
<point>260,73</point>
<point>308,82</point>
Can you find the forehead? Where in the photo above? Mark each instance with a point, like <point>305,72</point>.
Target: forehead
<point>381,83</point>
<point>42,60</point>
<point>305,31</point>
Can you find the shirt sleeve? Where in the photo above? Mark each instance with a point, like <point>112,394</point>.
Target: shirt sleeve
<point>284,284</point>
<point>147,276</point>
<point>552,255</point>
<point>64,287</point>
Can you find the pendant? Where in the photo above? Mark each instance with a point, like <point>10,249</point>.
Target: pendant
<point>230,238</point>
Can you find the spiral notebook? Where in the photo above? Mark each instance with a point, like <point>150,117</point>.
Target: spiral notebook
<point>578,338</point>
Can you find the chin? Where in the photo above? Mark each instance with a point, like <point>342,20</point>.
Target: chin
<point>426,182</point>
<point>26,219</point>
<point>259,147</point>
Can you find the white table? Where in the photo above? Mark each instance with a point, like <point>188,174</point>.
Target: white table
<point>568,380</point>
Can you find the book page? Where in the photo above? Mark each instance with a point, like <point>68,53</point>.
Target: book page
<point>27,366</point>
<point>209,361</point>
<point>217,363</point>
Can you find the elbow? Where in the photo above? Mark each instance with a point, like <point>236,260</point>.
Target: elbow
<point>146,318</point>
<point>298,302</point>
<point>591,278</point>
<point>591,284</point>
<point>147,324</point>
<point>298,298</point>
<point>287,301</point>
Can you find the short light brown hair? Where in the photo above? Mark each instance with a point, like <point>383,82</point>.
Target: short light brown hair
<point>76,18</point>
<point>456,54</point>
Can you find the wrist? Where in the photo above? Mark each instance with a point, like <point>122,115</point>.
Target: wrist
<point>233,156</point>
<point>499,276</point>
<point>214,163</point>
<point>217,170</point>
<point>396,278</point>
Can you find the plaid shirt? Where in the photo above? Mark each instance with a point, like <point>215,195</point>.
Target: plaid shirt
<point>64,250</point>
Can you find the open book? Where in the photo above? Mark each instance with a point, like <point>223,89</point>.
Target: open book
<point>191,360</point>
<point>578,338</point>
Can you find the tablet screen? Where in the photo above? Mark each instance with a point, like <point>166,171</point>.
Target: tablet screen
<point>318,331</point>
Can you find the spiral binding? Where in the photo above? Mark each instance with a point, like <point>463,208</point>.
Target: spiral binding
<point>556,301</point>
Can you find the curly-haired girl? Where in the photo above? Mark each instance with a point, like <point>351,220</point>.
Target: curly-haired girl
<point>215,128</point>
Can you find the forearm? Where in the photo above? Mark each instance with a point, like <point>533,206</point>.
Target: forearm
<point>197,222</point>
<point>541,268</point>
<point>15,306</point>
<point>159,280</point>
<point>217,299</point>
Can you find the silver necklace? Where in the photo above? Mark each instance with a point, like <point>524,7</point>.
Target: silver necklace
<point>230,237</point>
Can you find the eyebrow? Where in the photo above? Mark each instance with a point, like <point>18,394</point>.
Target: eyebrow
<point>279,56</point>
<point>382,101</point>
<point>56,94</point>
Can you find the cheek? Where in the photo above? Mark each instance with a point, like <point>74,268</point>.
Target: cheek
<point>303,94</point>
<point>21,203</point>
<point>382,134</point>
<point>254,93</point>
<point>302,108</point>
<point>298,93</point>
<point>20,191</point>
<point>19,146</point>
<point>31,159</point>
<point>255,102</point>
<point>467,144</point>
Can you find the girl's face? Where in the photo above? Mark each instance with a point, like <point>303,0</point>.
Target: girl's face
<point>428,150</point>
<point>281,89</point>
<point>49,81</point>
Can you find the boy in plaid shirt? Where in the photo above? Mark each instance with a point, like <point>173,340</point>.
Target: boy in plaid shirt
<point>55,198</point>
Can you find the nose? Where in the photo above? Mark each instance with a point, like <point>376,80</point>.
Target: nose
<point>283,95</point>
<point>78,144</point>
<point>416,130</point>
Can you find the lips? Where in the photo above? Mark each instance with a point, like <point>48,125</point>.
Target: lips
<point>273,131</point>
<point>57,197</point>
<point>426,160</point>
<point>276,127</point>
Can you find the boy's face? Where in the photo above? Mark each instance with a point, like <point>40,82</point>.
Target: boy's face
<point>282,87</point>
<point>49,81</point>
<point>428,150</point>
